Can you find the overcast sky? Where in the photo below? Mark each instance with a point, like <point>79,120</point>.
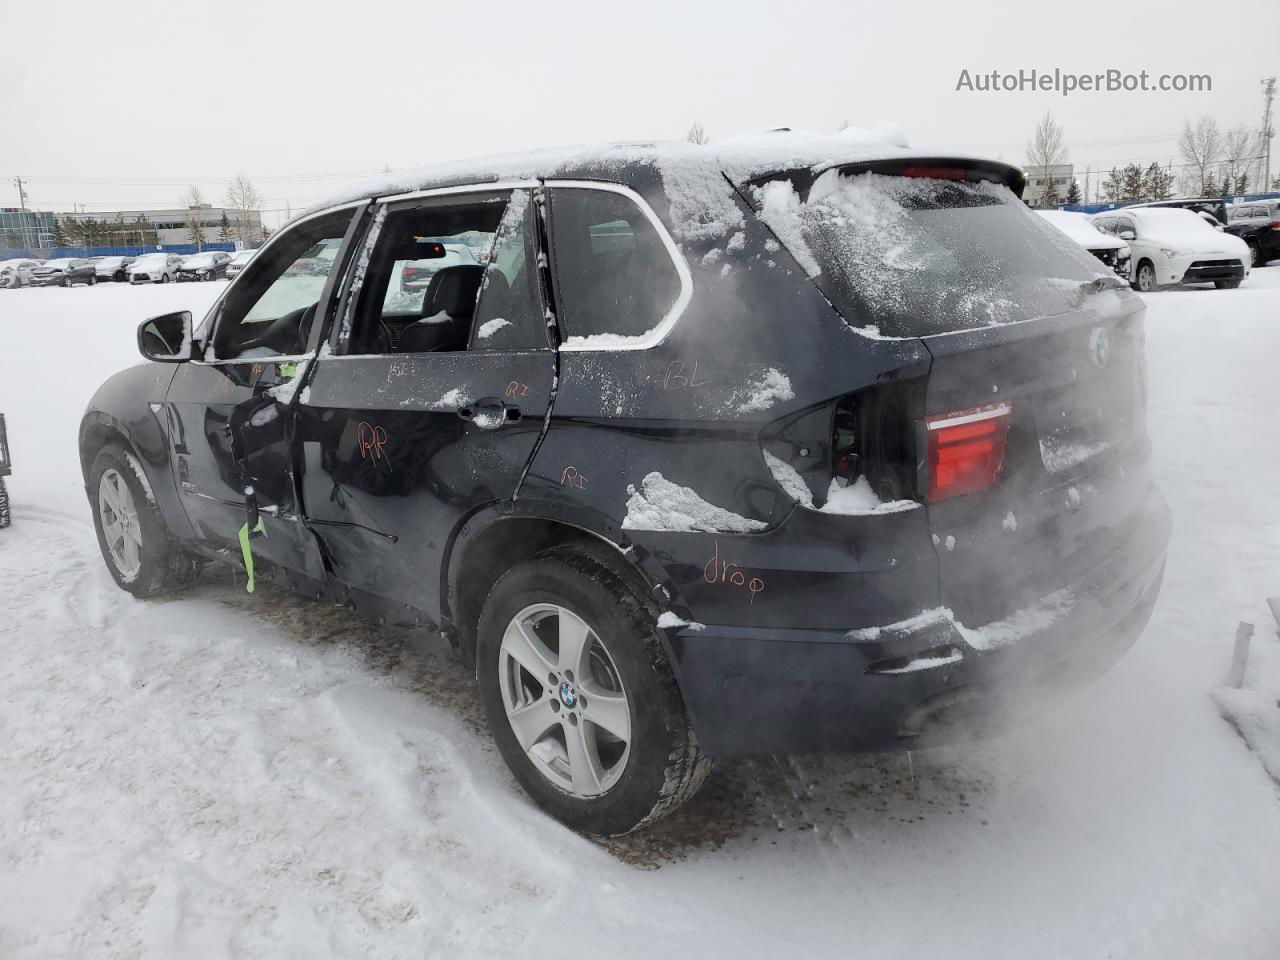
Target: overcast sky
<point>123,104</point>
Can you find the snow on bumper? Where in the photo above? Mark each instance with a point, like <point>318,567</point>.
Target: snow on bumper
<point>926,679</point>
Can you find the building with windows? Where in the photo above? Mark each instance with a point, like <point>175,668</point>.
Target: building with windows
<point>173,226</point>
<point>20,230</point>
<point>1048,186</point>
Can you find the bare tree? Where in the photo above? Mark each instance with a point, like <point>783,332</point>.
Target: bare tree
<point>697,134</point>
<point>244,200</point>
<point>193,200</point>
<point>1239,153</point>
<point>1201,150</point>
<point>1046,150</point>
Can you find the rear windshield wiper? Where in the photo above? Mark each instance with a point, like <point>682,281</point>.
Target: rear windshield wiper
<point>1103,283</point>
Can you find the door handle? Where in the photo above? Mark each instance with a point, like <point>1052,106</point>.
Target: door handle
<point>489,413</point>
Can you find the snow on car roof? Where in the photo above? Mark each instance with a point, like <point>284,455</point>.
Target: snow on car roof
<point>1079,227</point>
<point>740,157</point>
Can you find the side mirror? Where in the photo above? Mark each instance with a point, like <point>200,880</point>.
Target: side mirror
<point>166,338</point>
<point>1127,234</point>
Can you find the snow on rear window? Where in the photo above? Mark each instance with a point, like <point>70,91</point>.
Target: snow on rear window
<point>911,256</point>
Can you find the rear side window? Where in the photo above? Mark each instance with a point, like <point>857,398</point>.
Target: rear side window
<point>615,279</point>
<point>916,256</point>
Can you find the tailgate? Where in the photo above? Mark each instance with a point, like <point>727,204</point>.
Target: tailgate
<point>1074,476</point>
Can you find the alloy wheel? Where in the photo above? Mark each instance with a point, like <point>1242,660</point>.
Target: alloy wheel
<point>1146,278</point>
<point>120,525</point>
<point>564,699</point>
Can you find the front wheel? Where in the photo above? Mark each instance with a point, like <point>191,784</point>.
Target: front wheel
<point>1226,284</point>
<point>93,281</point>
<point>1255,255</point>
<point>131,530</point>
<point>4,505</point>
<point>579,695</point>
<point>1145,279</point>
<point>164,278</point>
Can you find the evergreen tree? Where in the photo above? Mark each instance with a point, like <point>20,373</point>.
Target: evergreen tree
<point>1158,183</point>
<point>224,228</point>
<point>1111,189</point>
<point>1073,192</point>
<point>1242,184</point>
<point>59,233</point>
<point>1132,185</point>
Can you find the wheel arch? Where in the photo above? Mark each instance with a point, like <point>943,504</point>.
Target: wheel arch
<point>495,539</point>
<point>99,429</point>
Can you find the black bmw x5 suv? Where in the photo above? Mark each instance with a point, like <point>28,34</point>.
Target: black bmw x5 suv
<point>789,445</point>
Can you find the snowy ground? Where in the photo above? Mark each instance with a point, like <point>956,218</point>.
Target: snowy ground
<point>226,776</point>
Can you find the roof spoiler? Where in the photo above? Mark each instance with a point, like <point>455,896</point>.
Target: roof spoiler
<point>946,168</point>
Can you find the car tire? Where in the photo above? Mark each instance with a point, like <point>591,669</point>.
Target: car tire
<point>118,277</point>
<point>1226,284</point>
<point>624,784</point>
<point>132,534</point>
<point>64,282</point>
<point>93,281</point>
<point>4,505</point>
<point>164,278</point>
<point>1144,277</point>
<point>1255,254</point>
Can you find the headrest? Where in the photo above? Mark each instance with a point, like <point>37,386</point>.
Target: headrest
<point>453,291</point>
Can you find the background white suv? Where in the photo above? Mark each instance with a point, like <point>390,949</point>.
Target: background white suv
<point>1169,246</point>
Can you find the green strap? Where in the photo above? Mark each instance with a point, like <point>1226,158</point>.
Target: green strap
<point>288,370</point>
<point>247,553</point>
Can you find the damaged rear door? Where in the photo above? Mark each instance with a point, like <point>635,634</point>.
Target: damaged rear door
<point>435,392</point>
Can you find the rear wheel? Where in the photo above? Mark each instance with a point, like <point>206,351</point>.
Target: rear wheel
<point>1255,254</point>
<point>131,530</point>
<point>93,280</point>
<point>1145,278</point>
<point>164,278</point>
<point>4,505</point>
<point>1226,284</point>
<point>579,696</point>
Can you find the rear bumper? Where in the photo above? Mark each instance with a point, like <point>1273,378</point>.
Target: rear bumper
<point>921,681</point>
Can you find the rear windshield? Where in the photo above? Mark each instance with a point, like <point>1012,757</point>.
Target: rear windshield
<point>914,256</point>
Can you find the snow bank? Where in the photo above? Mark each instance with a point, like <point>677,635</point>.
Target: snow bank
<point>669,621</point>
<point>660,504</point>
<point>1254,709</point>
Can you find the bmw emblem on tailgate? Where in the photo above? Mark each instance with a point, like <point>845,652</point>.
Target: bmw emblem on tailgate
<point>1099,347</point>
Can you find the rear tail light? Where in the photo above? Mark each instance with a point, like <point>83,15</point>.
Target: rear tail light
<point>1275,224</point>
<point>966,449</point>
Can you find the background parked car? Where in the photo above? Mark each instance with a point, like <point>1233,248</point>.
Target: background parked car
<point>204,266</point>
<point>155,268</point>
<point>64,272</point>
<point>1107,247</point>
<point>1215,207</point>
<point>238,262</point>
<point>1170,246</point>
<point>112,268</point>
<point>17,273</point>
<point>1258,225</point>
<point>416,274</point>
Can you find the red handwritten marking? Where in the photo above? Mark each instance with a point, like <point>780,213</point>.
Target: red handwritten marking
<point>729,573</point>
<point>676,379</point>
<point>371,439</point>
<point>572,477</point>
<point>517,389</point>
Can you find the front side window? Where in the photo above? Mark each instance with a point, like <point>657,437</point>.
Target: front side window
<point>451,274</point>
<point>270,309</point>
<point>615,279</point>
